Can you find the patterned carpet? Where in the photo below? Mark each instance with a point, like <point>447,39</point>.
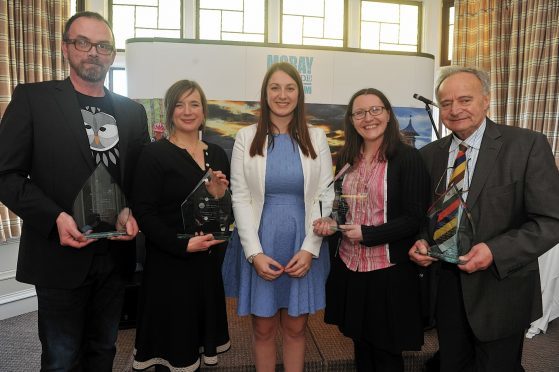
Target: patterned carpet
<point>327,350</point>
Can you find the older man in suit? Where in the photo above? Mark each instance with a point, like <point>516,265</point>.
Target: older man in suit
<point>52,137</point>
<point>511,187</point>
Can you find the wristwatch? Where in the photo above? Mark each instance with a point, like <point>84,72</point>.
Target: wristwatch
<point>251,257</point>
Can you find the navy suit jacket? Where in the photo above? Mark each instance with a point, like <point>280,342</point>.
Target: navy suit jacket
<point>45,159</point>
<point>514,203</point>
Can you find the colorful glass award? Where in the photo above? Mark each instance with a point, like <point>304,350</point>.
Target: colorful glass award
<point>451,228</point>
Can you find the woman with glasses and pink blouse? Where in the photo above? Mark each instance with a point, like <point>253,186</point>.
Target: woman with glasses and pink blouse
<point>373,290</point>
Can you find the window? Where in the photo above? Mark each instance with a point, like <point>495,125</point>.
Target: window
<point>390,26</point>
<point>234,20</point>
<point>145,18</point>
<point>115,81</point>
<point>384,25</point>
<point>76,6</point>
<point>313,22</point>
<point>447,32</point>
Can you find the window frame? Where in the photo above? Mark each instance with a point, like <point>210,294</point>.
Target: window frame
<point>110,19</point>
<point>80,6</point>
<point>110,77</point>
<point>265,32</point>
<point>419,5</point>
<point>344,28</point>
<point>445,24</point>
<point>351,32</point>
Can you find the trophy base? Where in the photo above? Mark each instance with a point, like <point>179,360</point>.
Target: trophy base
<point>217,236</point>
<point>337,228</point>
<point>445,257</point>
<point>105,234</point>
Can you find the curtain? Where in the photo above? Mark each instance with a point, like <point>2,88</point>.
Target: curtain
<point>30,51</point>
<point>517,43</point>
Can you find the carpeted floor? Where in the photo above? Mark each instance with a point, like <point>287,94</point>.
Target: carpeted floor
<point>327,350</point>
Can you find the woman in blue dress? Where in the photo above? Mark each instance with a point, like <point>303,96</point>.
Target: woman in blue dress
<point>280,170</point>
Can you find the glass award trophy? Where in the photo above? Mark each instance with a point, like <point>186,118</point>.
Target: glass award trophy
<point>99,205</point>
<point>325,197</point>
<point>203,212</point>
<point>451,228</point>
<point>345,205</point>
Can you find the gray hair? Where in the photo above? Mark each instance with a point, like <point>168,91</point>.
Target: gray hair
<point>448,71</point>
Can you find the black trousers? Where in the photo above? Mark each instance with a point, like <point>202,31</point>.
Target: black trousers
<point>78,327</point>
<point>459,349</point>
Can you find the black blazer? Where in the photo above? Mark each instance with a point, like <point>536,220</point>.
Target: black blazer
<point>44,160</point>
<point>514,202</point>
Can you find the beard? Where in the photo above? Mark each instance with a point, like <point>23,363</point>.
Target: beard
<point>92,73</point>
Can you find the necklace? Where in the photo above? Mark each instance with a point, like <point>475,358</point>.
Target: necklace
<point>185,147</point>
<point>368,170</point>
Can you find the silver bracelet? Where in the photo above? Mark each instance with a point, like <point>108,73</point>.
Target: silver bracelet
<point>250,258</point>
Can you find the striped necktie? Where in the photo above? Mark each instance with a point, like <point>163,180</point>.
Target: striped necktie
<point>448,216</point>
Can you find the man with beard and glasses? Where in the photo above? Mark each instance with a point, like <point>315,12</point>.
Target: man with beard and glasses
<point>52,137</point>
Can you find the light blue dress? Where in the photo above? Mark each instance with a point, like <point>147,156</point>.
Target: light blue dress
<point>281,233</point>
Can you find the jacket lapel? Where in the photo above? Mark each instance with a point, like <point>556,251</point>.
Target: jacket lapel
<point>123,130</point>
<point>65,96</point>
<point>488,152</point>
<point>306,164</point>
<point>261,167</point>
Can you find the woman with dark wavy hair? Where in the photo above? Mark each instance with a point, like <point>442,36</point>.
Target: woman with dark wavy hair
<point>276,265</point>
<point>372,293</point>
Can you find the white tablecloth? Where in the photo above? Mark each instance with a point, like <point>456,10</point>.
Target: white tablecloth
<point>549,274</point>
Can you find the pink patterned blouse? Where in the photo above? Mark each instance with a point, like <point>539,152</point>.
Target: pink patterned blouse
<point>364,188</point>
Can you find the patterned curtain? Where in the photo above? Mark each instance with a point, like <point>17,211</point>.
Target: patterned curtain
<point>517,43</point>
<point>30,51</point>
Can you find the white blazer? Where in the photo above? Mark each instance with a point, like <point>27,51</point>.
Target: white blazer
<point>248,180</point>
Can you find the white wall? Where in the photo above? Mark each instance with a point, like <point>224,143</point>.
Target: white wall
<point>235,72</point>
<point>15,298</point>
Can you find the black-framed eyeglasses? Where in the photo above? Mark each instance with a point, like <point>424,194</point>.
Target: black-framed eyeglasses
<point>374,111</point>
<point>84,45</point>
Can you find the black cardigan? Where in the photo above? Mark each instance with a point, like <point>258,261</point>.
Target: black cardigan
<point>407,203</point>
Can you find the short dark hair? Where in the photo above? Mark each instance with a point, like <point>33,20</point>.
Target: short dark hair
<point>86,14</point>
<point>174,94</point>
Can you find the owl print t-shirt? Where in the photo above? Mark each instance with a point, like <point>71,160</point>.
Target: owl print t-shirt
<point>102,132</point>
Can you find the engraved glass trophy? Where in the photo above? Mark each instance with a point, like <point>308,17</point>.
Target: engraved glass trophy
<point>342,205</point>
<point>99,205</point>
<point>203,212</point>
<point>326,198</point>
<point>347,206</point>
<point>451,228</point>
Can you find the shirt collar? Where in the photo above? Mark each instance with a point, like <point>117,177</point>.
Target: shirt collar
<point>473,141</point>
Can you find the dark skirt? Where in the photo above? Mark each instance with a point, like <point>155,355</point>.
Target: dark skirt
<point>382,306</point>
<point>183,319</point>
